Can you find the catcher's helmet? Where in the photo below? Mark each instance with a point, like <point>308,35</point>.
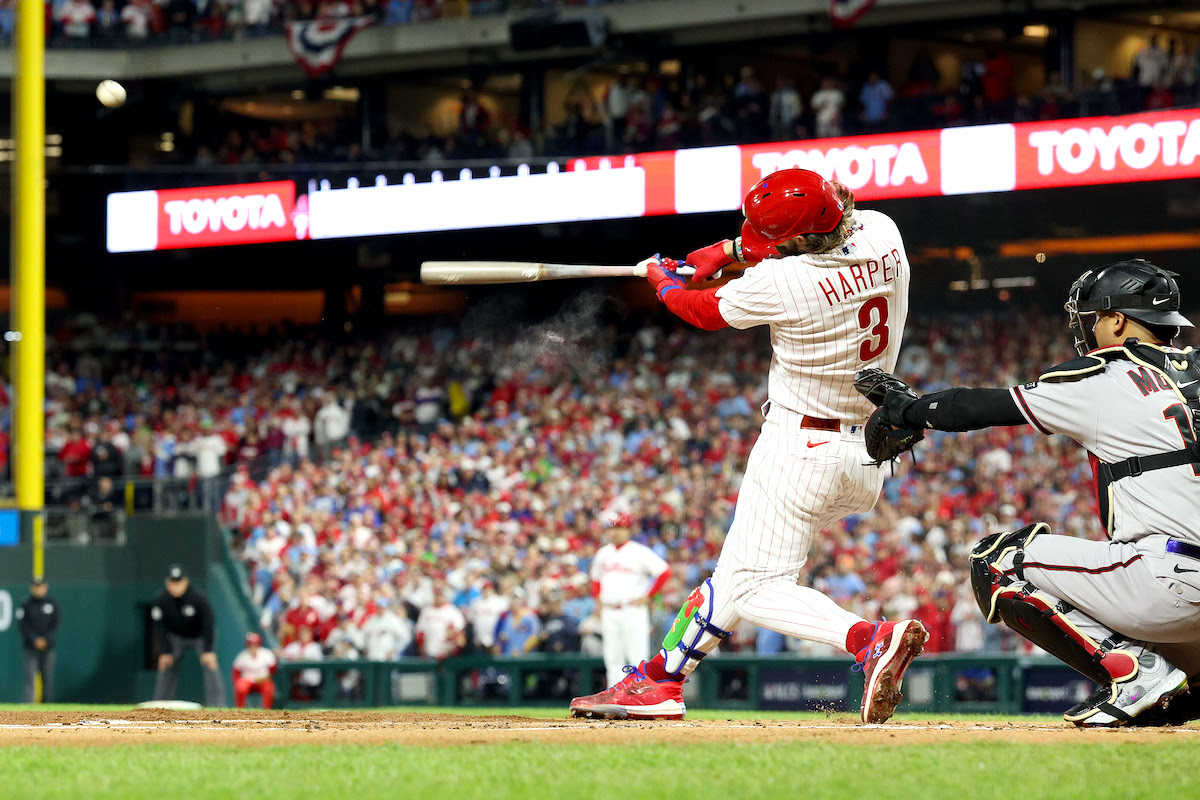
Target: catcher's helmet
<point>786,204</point>
<point>1136,288</point>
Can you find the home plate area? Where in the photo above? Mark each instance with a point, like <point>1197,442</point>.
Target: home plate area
<point>266,728</point>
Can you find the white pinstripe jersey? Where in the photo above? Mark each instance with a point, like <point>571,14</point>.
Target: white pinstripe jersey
<point>1121,410</point>
<point>831,314</point>
<point>625,573</point>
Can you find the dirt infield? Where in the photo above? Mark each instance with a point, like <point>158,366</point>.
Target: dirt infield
<point>266,728</point>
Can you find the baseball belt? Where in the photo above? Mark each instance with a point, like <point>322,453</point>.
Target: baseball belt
<point>1183,549</point>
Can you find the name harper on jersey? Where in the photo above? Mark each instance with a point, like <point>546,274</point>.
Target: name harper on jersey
<point>850,281</point>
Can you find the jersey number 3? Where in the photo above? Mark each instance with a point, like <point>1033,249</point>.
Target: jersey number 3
<point>873,318</point>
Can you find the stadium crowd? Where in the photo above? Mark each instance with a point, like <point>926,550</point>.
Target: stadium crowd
<point>467,519</point>
<point>630,113</point>
<point>123,23</point>
<point>443,491</point>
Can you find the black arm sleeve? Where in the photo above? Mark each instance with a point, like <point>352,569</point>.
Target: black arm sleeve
<point>964,410</point>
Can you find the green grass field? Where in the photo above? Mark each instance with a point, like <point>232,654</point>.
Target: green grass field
<point>1092,765</point>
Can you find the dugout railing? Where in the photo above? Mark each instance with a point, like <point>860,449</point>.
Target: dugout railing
<point>967,683</point>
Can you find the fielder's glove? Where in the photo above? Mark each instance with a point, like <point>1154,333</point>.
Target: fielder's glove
<point>886,435</point>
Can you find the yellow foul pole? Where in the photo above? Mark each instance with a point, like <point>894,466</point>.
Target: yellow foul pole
<point>29,267</point>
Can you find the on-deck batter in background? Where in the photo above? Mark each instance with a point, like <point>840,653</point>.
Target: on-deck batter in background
<point>625,574</point>
<point>831,284</point>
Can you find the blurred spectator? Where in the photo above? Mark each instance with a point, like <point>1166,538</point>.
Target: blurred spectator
<point>485,613</point>
<point>388,634</point>
<point>827,104</point>
<point>7,20</point>
<point>136,15</point>
<point>252,671</point>
<point>306,683</point>
<point>785,110</point>
<point>875,98</point>
<point>751,105</point>
<point>77,17</point>
<point>998,84</point>
<point>1151,67</point>
<point>180,18</point>
<point>441,627</point>
<point>560,632</point>
<point>519,630</point>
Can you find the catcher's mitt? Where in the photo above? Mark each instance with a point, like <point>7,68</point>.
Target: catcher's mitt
<point>886,441</point>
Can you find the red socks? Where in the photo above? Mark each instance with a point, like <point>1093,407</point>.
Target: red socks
<point>656,668</point>
<point>859,637</point>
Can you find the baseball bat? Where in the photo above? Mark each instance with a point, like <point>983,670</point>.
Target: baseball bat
<point>524,271</point>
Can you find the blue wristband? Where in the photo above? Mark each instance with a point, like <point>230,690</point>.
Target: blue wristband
<point>662,293</point>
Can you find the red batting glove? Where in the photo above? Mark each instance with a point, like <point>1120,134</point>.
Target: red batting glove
<point>708,261</point>
<point>660,272</point>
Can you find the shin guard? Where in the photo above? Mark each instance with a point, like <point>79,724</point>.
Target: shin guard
<point>692,636</point>
<point>988,575</point>
<point>1042,619</point>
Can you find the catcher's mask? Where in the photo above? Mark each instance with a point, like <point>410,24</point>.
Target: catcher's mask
<point>784,205</point>
<point>1136,288</point>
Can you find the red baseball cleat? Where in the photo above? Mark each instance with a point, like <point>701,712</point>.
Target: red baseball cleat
<point>893,647</point>
<point>634,697</point>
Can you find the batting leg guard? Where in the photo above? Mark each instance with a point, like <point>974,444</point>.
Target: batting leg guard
<point>1042,619</point>
<point>693,636</point>
<point>989,575</point>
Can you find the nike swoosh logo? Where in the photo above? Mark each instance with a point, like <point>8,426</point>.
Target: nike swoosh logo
<point>1185,385</point>
<point>1159,301</point>
<point>816,444</point>
<point>1177,569</point>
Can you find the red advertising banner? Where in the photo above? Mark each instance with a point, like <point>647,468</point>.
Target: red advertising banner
<point>955,161</point>
<point>236,214</point>
<point>1078,152</point>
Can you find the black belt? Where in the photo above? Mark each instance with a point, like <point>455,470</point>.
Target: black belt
<point>1136,465</point>
<point>1183,549</point>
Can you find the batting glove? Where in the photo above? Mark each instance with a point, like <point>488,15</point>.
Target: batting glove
<point>660,272</point>
<point>710,260</point>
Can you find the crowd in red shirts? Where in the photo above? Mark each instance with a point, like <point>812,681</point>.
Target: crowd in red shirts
<point>501,496</point>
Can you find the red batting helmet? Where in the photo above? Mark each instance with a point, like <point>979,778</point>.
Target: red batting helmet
<point>786,204</point>
<point>253,638</point>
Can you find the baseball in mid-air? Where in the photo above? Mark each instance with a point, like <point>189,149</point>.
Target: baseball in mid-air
<point>110,93</point>
<point>1040,258</point>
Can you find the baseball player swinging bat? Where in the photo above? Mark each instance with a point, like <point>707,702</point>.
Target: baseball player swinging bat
<point>525,271</point>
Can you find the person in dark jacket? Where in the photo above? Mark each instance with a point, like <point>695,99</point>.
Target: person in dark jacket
<point>38,618</point>
<point>183,620</point>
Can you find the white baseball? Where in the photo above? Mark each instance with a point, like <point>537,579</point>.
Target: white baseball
<point>111,94</point>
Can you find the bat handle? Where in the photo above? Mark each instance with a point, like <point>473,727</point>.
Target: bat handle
<point>639,269</point>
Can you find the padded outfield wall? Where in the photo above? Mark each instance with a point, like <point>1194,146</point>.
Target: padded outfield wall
<point>104,652</point>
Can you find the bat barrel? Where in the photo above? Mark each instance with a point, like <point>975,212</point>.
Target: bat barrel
<point>467,272</point>
<point>479,272</point>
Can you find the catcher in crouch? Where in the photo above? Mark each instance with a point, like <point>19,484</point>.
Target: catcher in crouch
<point>1123,612</point>
<point>832,286</point>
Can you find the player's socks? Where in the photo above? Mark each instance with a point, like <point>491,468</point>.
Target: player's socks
<point>656,668</point>
<point>859,637</point>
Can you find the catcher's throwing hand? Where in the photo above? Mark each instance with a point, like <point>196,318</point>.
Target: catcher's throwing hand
<point>886,434</point>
